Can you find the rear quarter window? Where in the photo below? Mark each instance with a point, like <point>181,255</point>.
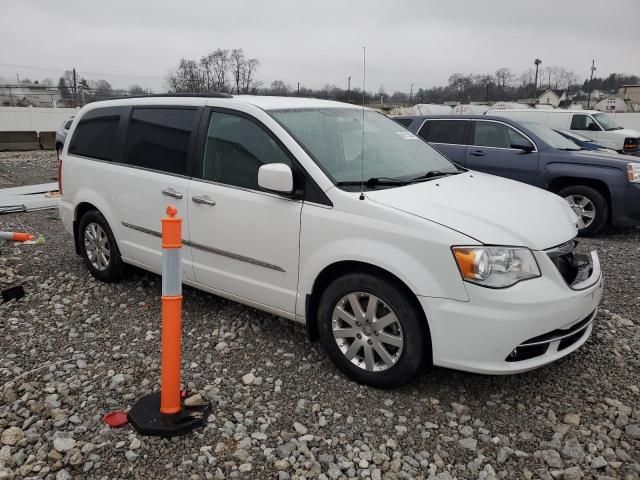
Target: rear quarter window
<point>159,138</point>
<point>95,136</point>
<point>445,131</point>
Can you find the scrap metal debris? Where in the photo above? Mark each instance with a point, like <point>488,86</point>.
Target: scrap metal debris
<point>29,198</point>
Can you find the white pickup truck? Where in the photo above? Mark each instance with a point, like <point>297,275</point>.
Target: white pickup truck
<point>596,125</point>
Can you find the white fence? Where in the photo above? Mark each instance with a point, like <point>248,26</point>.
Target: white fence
<point>16,119</point>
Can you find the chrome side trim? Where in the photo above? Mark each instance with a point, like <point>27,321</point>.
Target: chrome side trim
<point>235,256</point>
<point>561,337</point>
<point>215,251</point>
<point>142,229</point>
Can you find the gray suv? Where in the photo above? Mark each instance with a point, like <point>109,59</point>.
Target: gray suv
<point>601,188</point>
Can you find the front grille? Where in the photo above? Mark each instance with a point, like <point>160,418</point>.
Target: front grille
<point>536,346</point>
<point>574,267</point>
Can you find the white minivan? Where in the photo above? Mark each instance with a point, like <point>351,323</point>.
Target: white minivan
<point>593,124</point>
<point>337,217</point>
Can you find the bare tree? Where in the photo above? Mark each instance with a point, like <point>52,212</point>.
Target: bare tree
<point>504,76</point>
<point>278,87</point>
<point>248,82</point>
<point>238,65</point>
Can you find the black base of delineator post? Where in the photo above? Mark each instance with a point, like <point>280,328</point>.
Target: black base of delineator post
<point>146,418</point>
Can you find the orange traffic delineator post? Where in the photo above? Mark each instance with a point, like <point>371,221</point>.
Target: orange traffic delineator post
<point>16,236</point>
<point>164,414</point>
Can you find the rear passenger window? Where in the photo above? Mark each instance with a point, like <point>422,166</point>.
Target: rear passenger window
<point>95,136</point>
<point>158,138</point>
<point>444,131</point>
<point>236,148</point>
<point>405,122</point>
<point>490,134</point>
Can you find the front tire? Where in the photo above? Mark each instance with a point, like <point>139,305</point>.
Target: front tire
<point>99,249</point>
<point>372,330</point>
<point>589,205</point>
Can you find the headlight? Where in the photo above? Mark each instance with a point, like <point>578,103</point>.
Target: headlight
<point>495,267</point>
<point>633,170</point>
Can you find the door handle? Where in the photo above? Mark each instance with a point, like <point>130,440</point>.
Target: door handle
<point>203,200</point>
<point>477,153</point>
<point>170,192</point>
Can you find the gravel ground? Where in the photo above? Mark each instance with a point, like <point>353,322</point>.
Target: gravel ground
<point>73,349</point>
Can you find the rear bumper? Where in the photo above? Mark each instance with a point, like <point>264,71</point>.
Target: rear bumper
<point>480,335</point>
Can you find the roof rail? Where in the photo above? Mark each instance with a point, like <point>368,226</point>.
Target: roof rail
<point>169,95</point>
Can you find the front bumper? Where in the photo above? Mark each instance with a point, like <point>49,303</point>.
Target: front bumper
<point>480,335</point>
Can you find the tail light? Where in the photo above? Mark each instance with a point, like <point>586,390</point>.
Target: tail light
<point>60,172</point>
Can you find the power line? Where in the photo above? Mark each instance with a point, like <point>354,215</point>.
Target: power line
<point>47,69</point>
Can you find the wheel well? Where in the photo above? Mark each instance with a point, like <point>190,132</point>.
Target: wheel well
<point>81,209</point>
<point>338,269</point>
<point>562,182</point>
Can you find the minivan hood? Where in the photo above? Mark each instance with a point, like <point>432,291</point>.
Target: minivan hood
<point>490,209</point>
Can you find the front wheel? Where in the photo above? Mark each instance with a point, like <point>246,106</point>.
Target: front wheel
<point>372,330</point>
<point>589,205</point>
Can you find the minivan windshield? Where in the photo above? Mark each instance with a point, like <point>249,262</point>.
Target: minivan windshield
<point>550,137</point>
<point>607,122</point>
<point>386,153</point>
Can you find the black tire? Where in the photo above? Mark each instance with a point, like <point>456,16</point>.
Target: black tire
<point>416,342</point>
<point>599,202</point>
<point>115,267</point>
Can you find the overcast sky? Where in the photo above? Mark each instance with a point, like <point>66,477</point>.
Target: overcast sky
<point>319,42</point>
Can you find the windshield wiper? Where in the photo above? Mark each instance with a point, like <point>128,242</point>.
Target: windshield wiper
<point>372,182</point>
<point>432,174</point>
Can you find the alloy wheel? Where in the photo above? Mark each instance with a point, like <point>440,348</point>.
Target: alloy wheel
<point>583,208</point>
<point>96,244</point>
<point>367,331</point>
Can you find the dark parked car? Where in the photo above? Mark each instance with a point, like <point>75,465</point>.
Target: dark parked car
<point>61,134</point>
<point>584,142</point>
<point>601,188</point>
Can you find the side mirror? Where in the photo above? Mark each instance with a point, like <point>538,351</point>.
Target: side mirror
<point>522,144</point>
<point>275,178</point>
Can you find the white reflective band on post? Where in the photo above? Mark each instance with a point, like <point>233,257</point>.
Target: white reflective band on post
<point>171,272</point>
<point>6,235</point>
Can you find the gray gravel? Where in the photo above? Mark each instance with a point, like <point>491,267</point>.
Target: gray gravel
<point>74,349</point>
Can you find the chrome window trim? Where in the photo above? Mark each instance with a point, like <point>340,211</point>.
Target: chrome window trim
<point>213,250</point>
<point>246,189</point>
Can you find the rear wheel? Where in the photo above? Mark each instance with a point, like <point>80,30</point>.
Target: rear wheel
<point>589,205</point>
<point>372,330</point>
<point>99,249</point>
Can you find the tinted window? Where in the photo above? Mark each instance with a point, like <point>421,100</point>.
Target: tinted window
<point>498,135</point>
<point>583,122</point>
<point>236,148</point>
<point>158,138</point>
<point>95,137</point>
<point>405,122</point>
<point>444,131</point>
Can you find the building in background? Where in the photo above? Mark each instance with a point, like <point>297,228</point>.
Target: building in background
<point>552,97</point>
<point>32,94</point>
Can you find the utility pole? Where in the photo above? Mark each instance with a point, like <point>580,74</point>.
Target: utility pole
<point>75,89</point>
<point>593,69</point>
<point>298,88</point>
<point>410,93</point>
<point>537,63</point>
<point>348,88</point>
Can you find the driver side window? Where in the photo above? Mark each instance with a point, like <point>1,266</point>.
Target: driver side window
<point>236,148</point>
<point>583,122</point>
